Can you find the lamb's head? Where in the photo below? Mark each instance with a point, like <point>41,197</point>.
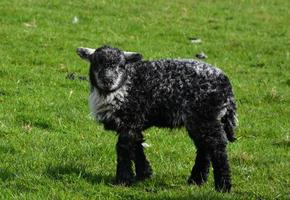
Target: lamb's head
<point>108,66</point>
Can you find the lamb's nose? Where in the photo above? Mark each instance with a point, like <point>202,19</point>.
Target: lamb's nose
<point>79,49</point>
<point>81,52</point>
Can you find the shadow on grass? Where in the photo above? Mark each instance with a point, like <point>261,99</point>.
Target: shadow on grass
<point>33,121</point>
<point>6,175</point>
<point>156,188</point>
<point>181,196</point>
<point>282,143</point>
<point>60,171</point>
<point>6,148</point>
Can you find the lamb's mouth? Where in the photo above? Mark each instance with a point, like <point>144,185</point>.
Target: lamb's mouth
<point>109,86</point>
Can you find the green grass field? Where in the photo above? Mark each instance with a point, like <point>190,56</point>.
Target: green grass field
<point>50,147</point>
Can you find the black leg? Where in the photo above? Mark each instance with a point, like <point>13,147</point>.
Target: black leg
<point>125,154</point>
<point>142,165</point>
<point>200,169</point>
<point>221,169</point>
<point>210,140</point>
<point>216,142</point>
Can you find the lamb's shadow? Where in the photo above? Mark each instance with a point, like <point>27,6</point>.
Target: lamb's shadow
<point>282,143</point>
<point>60,171</point>
<point>6,175</point>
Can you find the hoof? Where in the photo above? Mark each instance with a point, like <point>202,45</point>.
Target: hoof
<point>144,175</point>
<point>125,179</point>
<point>197,179</point>
<point>123,182</point>
<point>223,186</point>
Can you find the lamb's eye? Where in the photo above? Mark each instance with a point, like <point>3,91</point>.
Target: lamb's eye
<point>95,67</point>
<point>101,61</point>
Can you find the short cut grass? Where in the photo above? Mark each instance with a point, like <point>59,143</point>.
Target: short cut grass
<point>50,148</point>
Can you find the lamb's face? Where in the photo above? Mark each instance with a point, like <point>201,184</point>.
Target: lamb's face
<point>107,69</point>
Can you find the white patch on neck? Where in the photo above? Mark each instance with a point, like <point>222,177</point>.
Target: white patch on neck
<point>102,107</point>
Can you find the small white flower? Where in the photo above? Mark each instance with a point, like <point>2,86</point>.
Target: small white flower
<point>75,20</point>
<point>145,145</point>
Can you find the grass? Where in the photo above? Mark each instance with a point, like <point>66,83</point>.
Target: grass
<point>50,148</point>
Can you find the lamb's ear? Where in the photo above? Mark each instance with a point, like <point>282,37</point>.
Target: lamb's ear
<point>85,53</point>
<point>132,56</point>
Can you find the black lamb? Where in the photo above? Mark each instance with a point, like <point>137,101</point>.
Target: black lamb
<point>129,95</point>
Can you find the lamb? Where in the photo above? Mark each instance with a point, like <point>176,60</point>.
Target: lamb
<point>129,95</point>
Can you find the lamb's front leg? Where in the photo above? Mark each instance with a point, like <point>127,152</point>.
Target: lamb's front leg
<point>142,165</point>
<point>125,155</point>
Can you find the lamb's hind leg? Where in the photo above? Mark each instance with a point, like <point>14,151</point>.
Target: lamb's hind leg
<point>215,141</point>
<point>200,169</point>
<point>210,139</point>
<point>142,165</point>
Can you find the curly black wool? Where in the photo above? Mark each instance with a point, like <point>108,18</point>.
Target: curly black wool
<point>129,95</point>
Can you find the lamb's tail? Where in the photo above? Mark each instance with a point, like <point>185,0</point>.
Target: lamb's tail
<point>230,120</point>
